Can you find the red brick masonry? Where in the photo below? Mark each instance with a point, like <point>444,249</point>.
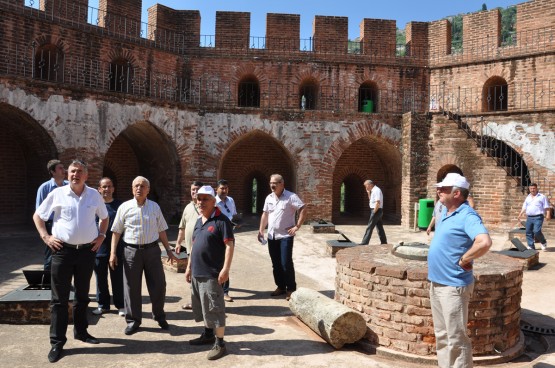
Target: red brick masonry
<point>392,294</point>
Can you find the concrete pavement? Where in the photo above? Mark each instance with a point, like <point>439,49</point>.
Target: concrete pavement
<point>261,332</point>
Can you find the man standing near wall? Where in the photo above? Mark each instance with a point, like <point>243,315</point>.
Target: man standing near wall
<point>375,197</point>
<point>211,256</point>
<point>226,204</point>
<point>280,208</point>
<point>74,241</point>
<point>536,207</point>
<point>106,189</point>
<point>142,224</point>
<point>58,173</point>
<point>460,238</point>
<point>187,225</point>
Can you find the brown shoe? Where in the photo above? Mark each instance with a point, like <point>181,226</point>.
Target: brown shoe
<point>187,306</point>
<point>278,292</point>
<point>288,295</point>
<point>227,298</point>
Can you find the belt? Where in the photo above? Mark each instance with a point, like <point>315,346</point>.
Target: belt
<point>533,215</point>
<point>143,246</point>
<point>77,246</point>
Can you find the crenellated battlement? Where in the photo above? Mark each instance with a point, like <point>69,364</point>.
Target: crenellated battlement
<point>430,42</point>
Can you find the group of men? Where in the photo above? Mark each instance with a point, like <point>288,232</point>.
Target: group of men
<point>88,230</point>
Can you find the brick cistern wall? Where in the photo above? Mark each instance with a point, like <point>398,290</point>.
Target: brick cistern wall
<point>392,294</point>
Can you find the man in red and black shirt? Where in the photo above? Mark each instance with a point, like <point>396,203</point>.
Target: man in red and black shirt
<point>208,269</point>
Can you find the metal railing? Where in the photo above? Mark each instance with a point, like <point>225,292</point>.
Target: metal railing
<point>488,141</point>
<point>524,95</point>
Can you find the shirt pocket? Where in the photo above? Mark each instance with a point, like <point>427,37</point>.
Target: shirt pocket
<point>67,213</point>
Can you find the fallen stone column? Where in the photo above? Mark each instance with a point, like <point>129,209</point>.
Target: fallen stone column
<point>334,322</point>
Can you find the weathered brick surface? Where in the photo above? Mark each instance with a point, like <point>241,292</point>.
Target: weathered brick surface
<point>398,311</point>
<point>174,143</point>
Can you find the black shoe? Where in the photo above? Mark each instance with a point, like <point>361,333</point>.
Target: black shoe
<point>89,339</point>
<point>164,324</point>
<point>203,340</point>
<point>131,329</point>
<point>55,354</point>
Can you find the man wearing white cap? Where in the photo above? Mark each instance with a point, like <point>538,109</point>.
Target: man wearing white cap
<point>459,240</point>
<point>208,269</point>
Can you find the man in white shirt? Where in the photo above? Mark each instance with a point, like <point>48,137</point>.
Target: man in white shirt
<point>536,207</point>
<point>280,208</point>
<point>376,213</point>
<point>226,204</point>
<point>74,242</point>
<point>142,224</point>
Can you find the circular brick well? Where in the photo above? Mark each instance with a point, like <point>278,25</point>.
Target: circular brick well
<point>392,294</point>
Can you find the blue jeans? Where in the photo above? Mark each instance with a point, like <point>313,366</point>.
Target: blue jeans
<point>534,230</point>
<point>281,254</point>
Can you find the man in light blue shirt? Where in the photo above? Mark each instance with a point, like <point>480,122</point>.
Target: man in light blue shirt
<point>459,239</point>
<point>58,173</point>
<point>226,204</point>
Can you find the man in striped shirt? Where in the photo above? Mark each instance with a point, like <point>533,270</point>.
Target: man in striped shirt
<point>142,224</point>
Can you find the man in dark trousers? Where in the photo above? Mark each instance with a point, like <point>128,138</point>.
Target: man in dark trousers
<point>74,242</point>
<point>106,189</point>
<point>375,197</point>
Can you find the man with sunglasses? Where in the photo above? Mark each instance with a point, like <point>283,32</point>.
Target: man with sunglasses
<point>460,238</point>
<point>226,204</point>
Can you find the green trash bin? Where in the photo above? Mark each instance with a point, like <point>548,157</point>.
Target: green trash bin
<point>367,106</point>
<point>425,212</point>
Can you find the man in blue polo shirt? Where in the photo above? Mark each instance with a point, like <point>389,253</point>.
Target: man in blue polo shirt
<point>211,255</point>
<point>58,174</point>
<point>458,241</point>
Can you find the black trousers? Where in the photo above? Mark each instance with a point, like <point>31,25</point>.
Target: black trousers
<point>68,263</point>
<point>374,221</point>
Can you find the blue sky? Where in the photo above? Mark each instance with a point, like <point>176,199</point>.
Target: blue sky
<point>403,11</point>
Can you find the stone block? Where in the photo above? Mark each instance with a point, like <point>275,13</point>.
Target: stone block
<point>322,227</point>
<point>180,266</point>
<point>334,246</point>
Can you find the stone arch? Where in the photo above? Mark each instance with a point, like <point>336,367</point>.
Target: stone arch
<point>25,146</point>
<point>143,149</point>
<point>255,155</point>
<point>495,94</point>
<point>369,157</point>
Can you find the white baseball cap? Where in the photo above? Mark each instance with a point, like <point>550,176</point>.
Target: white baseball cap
<point>454,180</point>
<point>207,189</point>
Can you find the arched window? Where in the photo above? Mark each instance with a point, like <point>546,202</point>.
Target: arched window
<point>495,95</point>
<point>120,75</point>
<point>368,97</point>
<point>308,95</point>
<point>249,92</point>
<point>257,192</point>
<point>49,63</point>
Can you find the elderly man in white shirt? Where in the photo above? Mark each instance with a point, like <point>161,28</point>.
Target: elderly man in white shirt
<point>142,224</point>
<point>74,241</point>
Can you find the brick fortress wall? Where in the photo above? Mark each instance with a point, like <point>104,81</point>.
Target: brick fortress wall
<point>314,149</point>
